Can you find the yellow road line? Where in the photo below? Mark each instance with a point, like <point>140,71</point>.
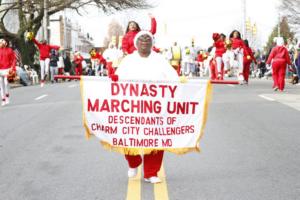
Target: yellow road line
<point>161,189</point>
<point>134,187</point>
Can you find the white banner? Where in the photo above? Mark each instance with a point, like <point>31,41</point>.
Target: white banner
<point>134,117</point>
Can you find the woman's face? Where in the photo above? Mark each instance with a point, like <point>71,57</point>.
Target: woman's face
<point>132,26</point>
<point>144,44</point>
<point>235,34</point>
<point>2,43</point>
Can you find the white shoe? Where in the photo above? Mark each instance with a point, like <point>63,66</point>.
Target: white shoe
<point>42,84</point>
<point>275,88</point>
<point>132,172</point>
<point>3,103</point>
<point>7,100</point>
<point>153,179</point>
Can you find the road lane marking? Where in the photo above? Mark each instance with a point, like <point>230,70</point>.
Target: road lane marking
<point>161,189</point>
<point>72,86</point>
<point>41,97</point>
<point>134,187</point>
<point>230,85</point>
<point>267,98</point>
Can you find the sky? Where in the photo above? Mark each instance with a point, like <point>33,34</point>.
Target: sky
<point>183,20</point>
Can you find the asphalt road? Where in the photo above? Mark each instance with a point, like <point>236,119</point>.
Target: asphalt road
<point>250,150</point>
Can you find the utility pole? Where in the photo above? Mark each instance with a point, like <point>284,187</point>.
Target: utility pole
<point>278,26</point>
<point>45,21</point>
<point>244,19</point>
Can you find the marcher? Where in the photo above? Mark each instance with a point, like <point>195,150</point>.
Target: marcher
<point>44,50</point>
<point>7,64</point>
<point>132,29</point>
<point>248,59</point>
<point>145,64</point>
<point>279,58</point>
<point>111,55</point>
<point>238,49</point>
<point>78,63</point>
<point>219,44</point>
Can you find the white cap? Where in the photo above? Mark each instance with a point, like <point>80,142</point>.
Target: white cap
<point>140,34</point>
<point>279,41</point>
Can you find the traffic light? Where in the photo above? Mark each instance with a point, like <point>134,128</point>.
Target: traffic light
<point>248,25</point>
<point>114,40</point>
<point>254,29</point>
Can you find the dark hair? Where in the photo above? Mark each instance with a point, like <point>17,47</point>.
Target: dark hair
<point>222,35</point>
<point>231,34</point>
<point>137,26</point>
<point>246,43</point>
<point>7,41</point>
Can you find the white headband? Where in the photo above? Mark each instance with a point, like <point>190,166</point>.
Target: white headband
<point>140,34</point>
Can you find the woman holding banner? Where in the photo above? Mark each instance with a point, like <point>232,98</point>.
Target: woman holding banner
<point>145,64</point>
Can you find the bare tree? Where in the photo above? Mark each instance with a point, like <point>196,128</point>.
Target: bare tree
<point>115,30</point>
<point>291,9</point>
<point>31,12</point>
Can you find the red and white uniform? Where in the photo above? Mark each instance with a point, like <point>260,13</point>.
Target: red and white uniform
<point>238,48</point>
<point>78,61</point>
<point>279,58</point>
<point>128,40</point>
<point>248,59</point>
<point>44,50</point>
<point>154,67</point>
<point>220,50</point>
<point>7,62</point>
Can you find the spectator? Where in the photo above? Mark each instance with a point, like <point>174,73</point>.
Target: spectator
<point>53,64</point>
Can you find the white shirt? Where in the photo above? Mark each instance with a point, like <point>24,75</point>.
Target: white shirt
<point>154,68</point>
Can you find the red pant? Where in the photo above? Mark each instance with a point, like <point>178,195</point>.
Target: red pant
<point>152,163</point>
<point>246,70</point>
<point>78,70</point>
<point>110,69</point>
<point>213,69</point>
<point>278,73</point>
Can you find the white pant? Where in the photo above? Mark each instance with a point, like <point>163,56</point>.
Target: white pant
<point>53,72</point>
<point>4,83</point>
<point>44,68</point>
<point>219,64</point>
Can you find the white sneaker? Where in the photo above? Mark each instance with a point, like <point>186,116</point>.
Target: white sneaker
<point>7,100</point>
<point>42,84</point>
<point>275,88</point>
<point>3,103</point>
<point>132,172</point>
<point>153,179</point>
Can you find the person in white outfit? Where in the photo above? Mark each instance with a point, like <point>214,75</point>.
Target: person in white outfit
<point>145,64</point>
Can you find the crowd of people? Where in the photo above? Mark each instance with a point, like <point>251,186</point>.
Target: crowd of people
<point>227,57</point>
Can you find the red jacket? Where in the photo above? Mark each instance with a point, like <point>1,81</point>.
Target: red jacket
<point>99,57</point>
<point>44,49</point>
<point>248,53</point>
<point>7,58</point>
<point>128,39</point>
<point>220,48</point>
<point>78,60</point>
<point>279,53</point>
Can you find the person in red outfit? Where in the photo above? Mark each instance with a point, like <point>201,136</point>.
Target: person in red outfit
<point>44,50</point>
<point>78,63</point>
<point>7,63</point>
<point>248,59</point>
<point>98,63</point>
<point>238,48</point>
<point>132,29</point>
<point>219,44</point>
<point>279,57</point>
